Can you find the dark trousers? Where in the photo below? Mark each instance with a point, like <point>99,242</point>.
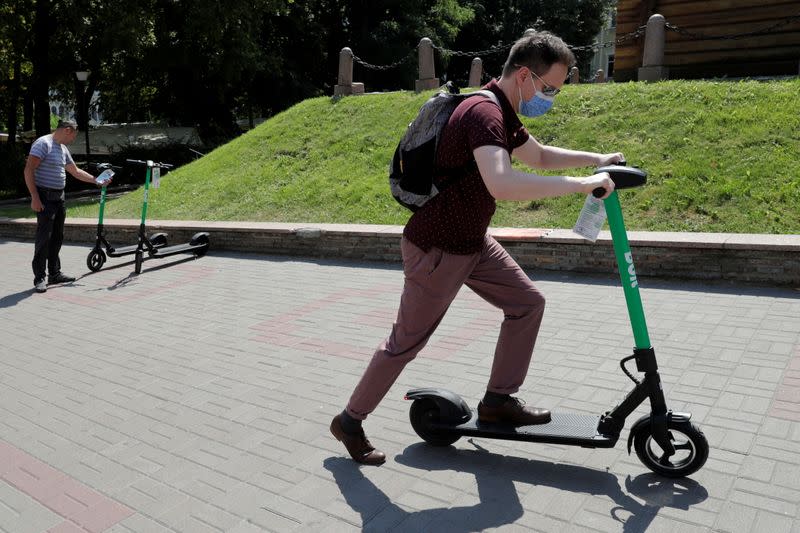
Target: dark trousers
<point>49,234</point>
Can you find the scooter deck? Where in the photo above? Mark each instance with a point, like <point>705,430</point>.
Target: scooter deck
<point>177,249</point>
<point>122,250</point>
<point>563,428</point>
<point>127,249</point>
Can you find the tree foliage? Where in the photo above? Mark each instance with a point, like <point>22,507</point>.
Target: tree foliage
<point>210,62</point>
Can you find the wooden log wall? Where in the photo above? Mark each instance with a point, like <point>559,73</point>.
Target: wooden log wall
<point>772,54</point>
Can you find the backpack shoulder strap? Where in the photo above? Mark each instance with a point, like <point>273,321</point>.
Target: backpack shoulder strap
<point>488,94</point>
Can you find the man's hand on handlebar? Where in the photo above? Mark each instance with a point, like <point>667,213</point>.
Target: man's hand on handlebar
<point>610,159</point>
<point>601,180</point>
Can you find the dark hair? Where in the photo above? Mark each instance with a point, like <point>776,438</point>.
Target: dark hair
<point>67,123</point>
<point>538,51</point>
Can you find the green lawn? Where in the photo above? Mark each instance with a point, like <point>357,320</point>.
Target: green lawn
<point>722,157</point>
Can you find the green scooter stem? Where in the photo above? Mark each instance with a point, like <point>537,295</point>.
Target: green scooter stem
<point>627,272</point>
<point>102,204</point>
<point>146,190</point>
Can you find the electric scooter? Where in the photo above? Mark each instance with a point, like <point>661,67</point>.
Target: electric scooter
<point>665,441</point>
<point>198,245</point>
<point>97,257</point>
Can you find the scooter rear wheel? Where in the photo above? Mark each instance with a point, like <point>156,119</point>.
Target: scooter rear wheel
<point>158,240</point>
<point>691,450</point>
<point>423,412</point>
<point>200,238</point>
<point>96,259</point>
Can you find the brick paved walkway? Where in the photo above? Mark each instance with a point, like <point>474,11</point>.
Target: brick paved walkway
<point>196,397</point>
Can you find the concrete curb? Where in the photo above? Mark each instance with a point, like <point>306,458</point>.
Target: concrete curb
<point>754,258</point>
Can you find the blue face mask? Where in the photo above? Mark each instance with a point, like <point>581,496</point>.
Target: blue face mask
<point>538,105</point>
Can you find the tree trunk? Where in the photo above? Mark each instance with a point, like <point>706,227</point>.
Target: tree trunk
<point>91,87</point>
<point>43,27</point>
<point>27,110</point>
<point>11,119</point>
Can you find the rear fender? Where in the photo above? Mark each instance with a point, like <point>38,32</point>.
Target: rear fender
<point>452,408</point>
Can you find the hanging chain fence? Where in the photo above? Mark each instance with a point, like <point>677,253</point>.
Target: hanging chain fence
<point>480,53</point>
<point>595,47</point>
<point>390,66</point>
<point>732,37</point>
<point>500,47</point>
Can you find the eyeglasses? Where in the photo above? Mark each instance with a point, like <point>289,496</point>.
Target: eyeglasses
<point>547,90</point>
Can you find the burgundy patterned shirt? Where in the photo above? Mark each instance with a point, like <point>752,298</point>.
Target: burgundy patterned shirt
<point>456,219</point>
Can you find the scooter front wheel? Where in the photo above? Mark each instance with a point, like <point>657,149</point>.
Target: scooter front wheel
<point>691,450</point>
<point>423,412</point>
<point>138,262</point>
<point>96,259</point>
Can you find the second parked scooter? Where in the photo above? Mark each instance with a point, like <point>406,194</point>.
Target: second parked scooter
<point>198,245</point>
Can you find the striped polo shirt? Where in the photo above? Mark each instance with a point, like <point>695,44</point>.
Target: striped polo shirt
<point>55,156</point>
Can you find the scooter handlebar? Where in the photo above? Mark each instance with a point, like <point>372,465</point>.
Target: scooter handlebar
<point>624,177</point>
<point>150,163</point>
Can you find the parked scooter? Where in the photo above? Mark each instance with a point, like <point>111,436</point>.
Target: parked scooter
<point>102,248</point>
<point>198,245</point>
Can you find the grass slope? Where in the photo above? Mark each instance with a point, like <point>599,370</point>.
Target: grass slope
<point>722,156</point>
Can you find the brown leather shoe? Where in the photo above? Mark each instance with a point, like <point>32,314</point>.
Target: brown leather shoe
<point>513,412</point>
<point>357,445</point>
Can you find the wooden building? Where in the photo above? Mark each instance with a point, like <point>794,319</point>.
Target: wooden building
<point>701,45</point>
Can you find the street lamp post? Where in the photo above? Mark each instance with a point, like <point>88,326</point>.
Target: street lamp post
<point>83,108</point>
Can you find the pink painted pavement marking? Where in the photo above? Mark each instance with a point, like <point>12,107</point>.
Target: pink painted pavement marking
<point>84,509</point>
<point>66,527</point>
<point>282,330</point>
<point>101,298</point>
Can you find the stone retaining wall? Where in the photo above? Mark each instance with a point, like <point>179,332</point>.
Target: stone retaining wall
<point>756,258</point>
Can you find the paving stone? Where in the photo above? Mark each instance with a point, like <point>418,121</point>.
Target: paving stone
<point>217,418</point>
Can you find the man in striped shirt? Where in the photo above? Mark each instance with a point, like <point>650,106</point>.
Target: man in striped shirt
<point>45,176</point>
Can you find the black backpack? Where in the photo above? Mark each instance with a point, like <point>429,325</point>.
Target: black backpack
<point>413,168</point>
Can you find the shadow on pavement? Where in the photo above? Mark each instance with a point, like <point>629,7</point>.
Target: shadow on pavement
<point>11,300</point>
<point>132,276</point>
<point>499,503</point>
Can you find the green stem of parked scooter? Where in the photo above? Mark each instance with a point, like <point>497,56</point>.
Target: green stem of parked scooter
<point>146,190</point>
<point>102,204</point>
<point>627,272</point>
